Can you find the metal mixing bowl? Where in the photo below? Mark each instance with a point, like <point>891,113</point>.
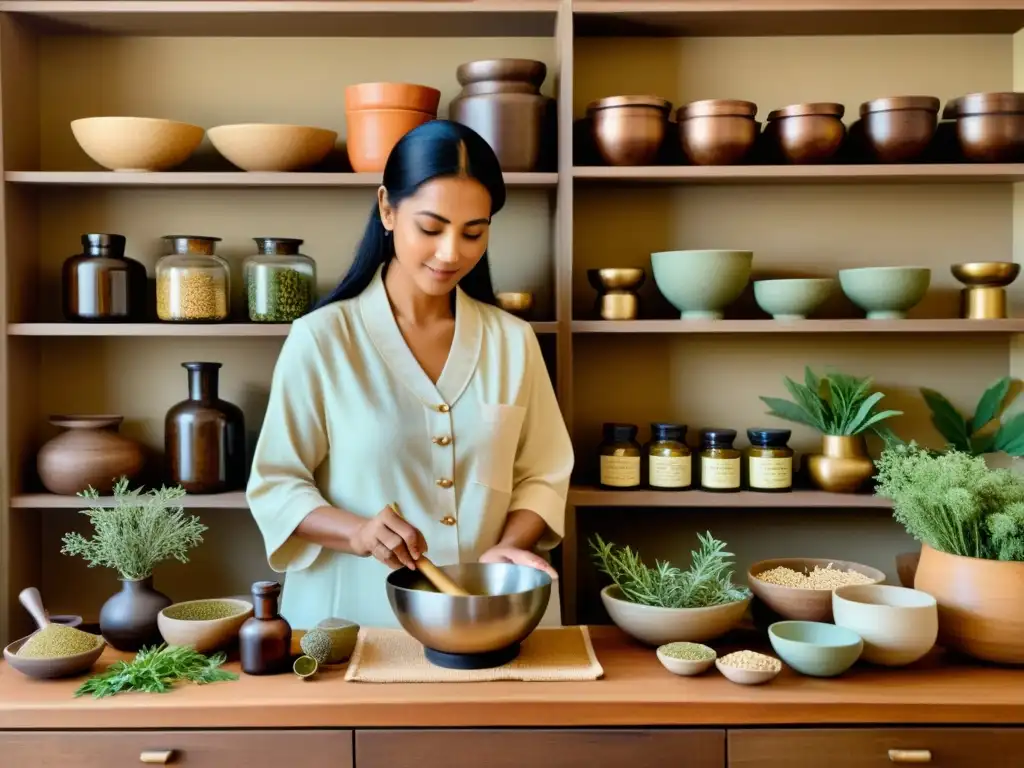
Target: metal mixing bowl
<point>506,604</point>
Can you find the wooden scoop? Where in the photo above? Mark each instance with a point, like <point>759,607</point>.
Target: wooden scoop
<point>441,581</point>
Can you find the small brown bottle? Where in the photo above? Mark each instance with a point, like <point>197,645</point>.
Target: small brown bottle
<point>265,639</point>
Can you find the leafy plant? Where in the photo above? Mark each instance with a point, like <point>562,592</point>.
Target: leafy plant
<point>836,404</point>
<point>156,670</point>
<point>707,582</point>
<point>137,532</point>
<point>964,434</point>
<point>953,502</point>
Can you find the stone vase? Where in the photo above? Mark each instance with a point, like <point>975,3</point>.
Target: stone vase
<point>128,620</point>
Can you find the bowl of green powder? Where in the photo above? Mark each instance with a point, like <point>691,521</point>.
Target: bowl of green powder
<point>54,651</point>
<point>686,659</point>
<point>205,625</point>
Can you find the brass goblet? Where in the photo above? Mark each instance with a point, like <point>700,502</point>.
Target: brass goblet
<point>616,291</point>
<point>518,303</point>
<point>984,297</point>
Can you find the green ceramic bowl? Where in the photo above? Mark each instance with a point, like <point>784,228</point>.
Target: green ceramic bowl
<point>814,648</point>
<point>792,299</point>
<point>885,293</point>
<point>701,284</point>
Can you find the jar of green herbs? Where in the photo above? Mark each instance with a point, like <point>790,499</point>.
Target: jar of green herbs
<point>280,282</point>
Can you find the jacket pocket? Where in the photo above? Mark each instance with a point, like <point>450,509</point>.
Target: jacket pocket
<point>501,426</point>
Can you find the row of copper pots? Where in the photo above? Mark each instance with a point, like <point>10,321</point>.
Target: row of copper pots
<point>631,130</point>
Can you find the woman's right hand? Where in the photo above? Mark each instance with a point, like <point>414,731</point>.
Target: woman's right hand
<point>390,539</point>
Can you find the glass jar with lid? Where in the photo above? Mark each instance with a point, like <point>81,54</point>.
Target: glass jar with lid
<point>769,460</point>
<point>280,282</point>
<point>668,458</point>
<point>102,284</point>
<point>193,284</point>
<point>620,457</point>
<point>719,461</point>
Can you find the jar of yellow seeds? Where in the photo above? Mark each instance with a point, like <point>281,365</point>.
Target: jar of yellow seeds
<point>193,284</point>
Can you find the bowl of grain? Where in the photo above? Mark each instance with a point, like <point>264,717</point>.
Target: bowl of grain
<point>748,667</point>
<point>55,650</point>
<point>204,625</point>
<point>801,588</point>
<point>686,659</point>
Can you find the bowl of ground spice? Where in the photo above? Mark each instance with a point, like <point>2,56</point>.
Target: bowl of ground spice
<point>55,651</point>
<point>748,667</point>
<point>801,588</point>
<point>205,625</point>
<point>686,658</point>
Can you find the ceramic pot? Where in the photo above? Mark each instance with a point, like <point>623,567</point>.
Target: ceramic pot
<point>512,123</point>
<point>701,284</point>
<point>90,452</point>
<point>981,604</point>
<point>128,620</point>
<point>373,133</point>
<point>843,466</point>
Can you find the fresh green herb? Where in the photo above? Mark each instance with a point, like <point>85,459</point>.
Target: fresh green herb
<point>966,434</point>
<point>137,532</point>
<point>156,670</point>
<point>836,404</point>
<point>953,502</point>
<point>707,582</point>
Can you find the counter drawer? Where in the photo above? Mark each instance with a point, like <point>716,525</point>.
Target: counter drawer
<point>196,749</point>
<point>541,748</point>
<point>877,748</point>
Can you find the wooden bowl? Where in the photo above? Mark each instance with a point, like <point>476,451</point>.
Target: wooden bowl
<point>272,147</point>
<point>136,144</point>
<point>797,602</point>
<point>47,669</point>
<point>747,676</point>
<point>203,635</point>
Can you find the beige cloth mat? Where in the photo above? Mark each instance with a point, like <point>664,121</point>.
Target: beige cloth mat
<point>549,654</point>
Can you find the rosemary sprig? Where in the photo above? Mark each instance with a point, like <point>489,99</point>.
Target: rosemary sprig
<point>156,670</point>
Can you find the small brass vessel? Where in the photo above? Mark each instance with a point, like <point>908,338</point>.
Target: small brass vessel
<point>518,303</point>
<point>616,291</point>
<point>984,297</point>
<point>843,466</point>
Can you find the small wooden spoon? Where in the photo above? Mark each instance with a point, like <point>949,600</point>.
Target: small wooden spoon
<point>441,581</point>
<point>32,602</point>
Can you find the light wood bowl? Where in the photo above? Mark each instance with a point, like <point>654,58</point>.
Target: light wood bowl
<point>136,144</point>
<point>272,147</point>
<point>797,602</point>
<point>203,635</point>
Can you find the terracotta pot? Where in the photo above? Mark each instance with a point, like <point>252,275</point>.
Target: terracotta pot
<point>421,98</point>
<point>906,567</point>
<point>981,604</point>
<point>373,133</point>
<point>128,620</point>
<point>89,453</point>
<point>843,466</point>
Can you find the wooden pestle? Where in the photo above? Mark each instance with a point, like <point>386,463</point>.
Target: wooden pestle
<point>441,581</point>
<point>32,602</point>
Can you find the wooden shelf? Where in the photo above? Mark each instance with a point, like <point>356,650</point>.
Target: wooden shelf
<point>231,179</point>
<point>234,500</point>
<point>764,18</point>
<point>202,330</point>
<point>290,18</point>
<point>931,325</point>
<point>947,173</point>
<point>588,496</point>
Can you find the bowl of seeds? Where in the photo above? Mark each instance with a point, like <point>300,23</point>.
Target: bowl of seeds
<point>205,625</point>
<point>55,650</point>
<point>800,588</point>
<point>686,658</point>
<point>748,667</point>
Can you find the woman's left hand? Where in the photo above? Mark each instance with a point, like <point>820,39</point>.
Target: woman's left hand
<point>516,556</point>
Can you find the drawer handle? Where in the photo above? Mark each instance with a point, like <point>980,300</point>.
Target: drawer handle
<point>910,756</point>
<point>156,757</point>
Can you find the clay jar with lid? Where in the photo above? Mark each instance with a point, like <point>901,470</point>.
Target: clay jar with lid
<point>717,131</point>
<point>990,126</point>
<point>804,134</point>
<point>896,129</point>
<point>501,100</point>
<point>620,457</point>
<point>719,461</point>
<point>193,283</point>
<point>769,460</point>
<point>377,115</point>
<point>629,130</point>
<point>280,282</point>
<point>102,284</point>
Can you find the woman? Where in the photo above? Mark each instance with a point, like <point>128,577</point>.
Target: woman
<point>407,385</point>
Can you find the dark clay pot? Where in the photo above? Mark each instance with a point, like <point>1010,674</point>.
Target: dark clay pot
<point>128,619</point>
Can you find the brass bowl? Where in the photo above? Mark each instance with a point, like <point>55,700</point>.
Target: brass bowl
<point>990,126</point>
<point>616,278</point>
<point>629,130</point>
<point>516,302</point>
<point>900,128</point>
<point>717,131</point>
<point>806,133</point>
<point>990,274</point>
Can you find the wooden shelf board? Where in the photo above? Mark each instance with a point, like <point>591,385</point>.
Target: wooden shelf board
<point>207,330</point>
<point>290,18</point>
<point>234,500</point>
<point>947,173</point>
<point>936,325</point>
<point>765,18</point>
<point>232,179</point>
<point>584,496</point>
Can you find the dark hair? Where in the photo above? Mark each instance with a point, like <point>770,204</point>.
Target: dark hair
<point>434,149</point>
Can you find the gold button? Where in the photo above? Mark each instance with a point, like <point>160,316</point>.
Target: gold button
<point>443,440</point>
<point>443,408</point>
<point>444,482</point>
<point>448,520</point>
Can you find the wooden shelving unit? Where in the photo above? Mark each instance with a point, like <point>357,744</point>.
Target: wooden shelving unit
<point>214,330</point>
<point>802,174</point>
<point>232,179</point>
<point>916,326</point>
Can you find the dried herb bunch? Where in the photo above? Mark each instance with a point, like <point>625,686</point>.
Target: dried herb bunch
<point>953,502</point>
<point>156,670</point>
<point>707,582</point>
<point>137,532</point>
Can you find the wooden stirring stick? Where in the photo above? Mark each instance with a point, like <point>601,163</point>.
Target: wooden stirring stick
<point>434,575</point>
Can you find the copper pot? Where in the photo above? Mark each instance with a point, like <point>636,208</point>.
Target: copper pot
<point>990,126</point>
<point>806,133</point>
<point>717,131</point>
<point>898,129</point>
<point>629,130</point>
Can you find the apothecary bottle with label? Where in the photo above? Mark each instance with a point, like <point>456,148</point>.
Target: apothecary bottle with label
<point>719,461</point>
<point>769,461</point>
<point>620,455</point>
<point>280,282</point>
<point>669,463</point>
<point>193,284</point>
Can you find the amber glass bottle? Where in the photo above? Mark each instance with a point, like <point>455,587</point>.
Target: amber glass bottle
<point>265,639</point>
<point>769,461</point>
<point>102,284</point>
<point>620,457</point>
<point>669,466</point>
<point>719,461</point>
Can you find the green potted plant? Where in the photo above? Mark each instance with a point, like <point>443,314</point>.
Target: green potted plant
<point>969,519</point>
<point>132,535</point>
<point>666,604</point>
<point>843,409</point>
